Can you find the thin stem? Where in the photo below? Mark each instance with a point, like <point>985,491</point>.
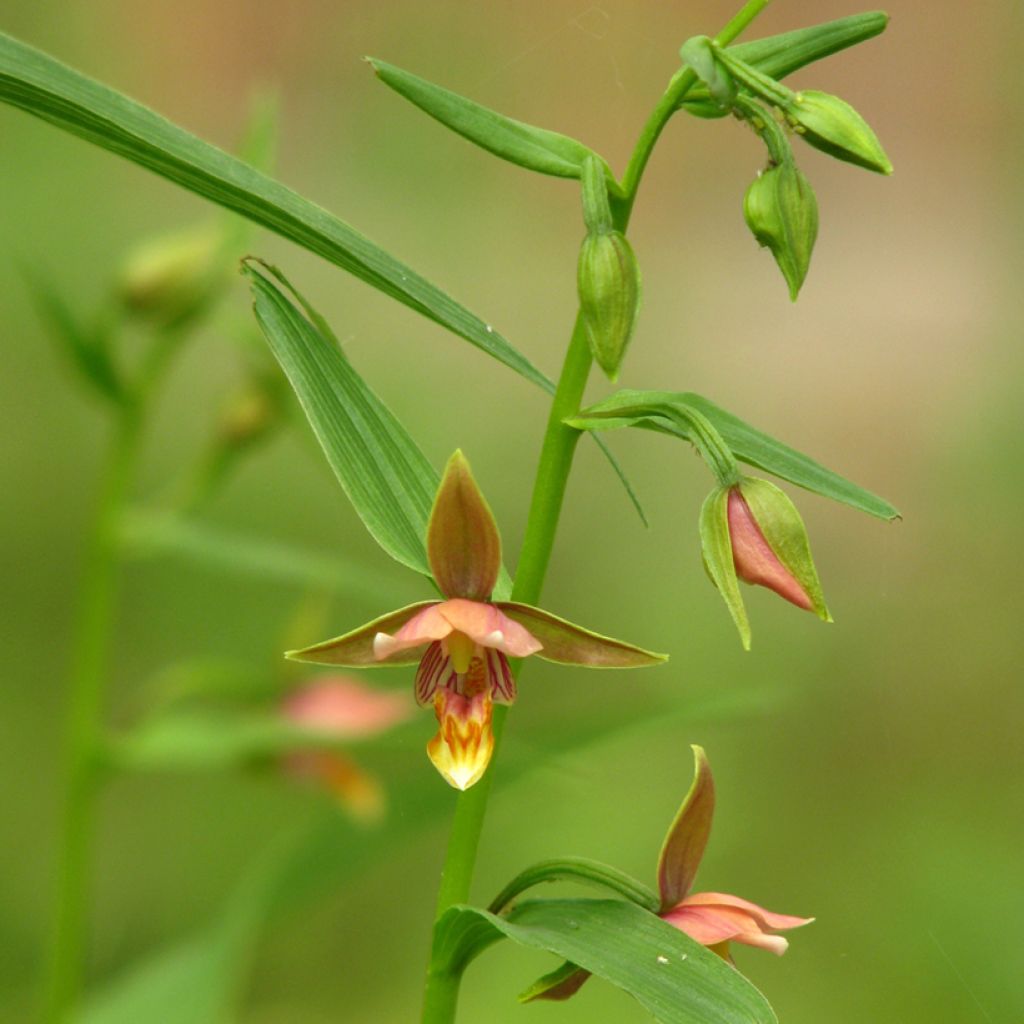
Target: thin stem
<point>554,466</point>
<point>87,692</point>
<point>84,723</point>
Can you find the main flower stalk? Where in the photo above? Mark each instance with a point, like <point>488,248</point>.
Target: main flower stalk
<point>553,469</point>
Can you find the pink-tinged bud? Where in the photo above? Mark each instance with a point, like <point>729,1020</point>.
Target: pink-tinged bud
<point>462,748</point>
<point>753,532</point>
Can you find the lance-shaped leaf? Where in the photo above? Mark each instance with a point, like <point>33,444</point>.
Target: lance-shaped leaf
<point>780,55</point>
<point>536,149</point>
<point>687,835</point>
<point>42,86</point>
<point>674,978</point>
<point>387,478</point>
<point>646,409</point>
<point>463,543</point>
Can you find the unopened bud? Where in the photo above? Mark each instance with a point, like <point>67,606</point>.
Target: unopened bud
<point>782,212</point>
<point>166,278</point>
<point>753,532</point>
<point>248,416</point>
<point>833,126</point>
<point>608,279</point>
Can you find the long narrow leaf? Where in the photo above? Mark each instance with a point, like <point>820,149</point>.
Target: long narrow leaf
<point>671,975</point>
<point>40,85</point>
<point>780,55</point>
<point>536,149</point>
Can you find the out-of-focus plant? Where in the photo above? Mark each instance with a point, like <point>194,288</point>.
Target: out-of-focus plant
<point>468,644</point>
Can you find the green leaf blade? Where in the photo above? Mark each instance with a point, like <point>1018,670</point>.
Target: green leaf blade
<point>45,88</point>
<point>536,149</point>
<point>674,978</point>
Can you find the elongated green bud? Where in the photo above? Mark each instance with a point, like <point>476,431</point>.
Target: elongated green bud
<point>782,212</point>
<point>833,126</point>
<point>608,278</point>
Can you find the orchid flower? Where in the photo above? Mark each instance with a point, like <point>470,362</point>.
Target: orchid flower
<point>714,919</point>
<point>463,643</point>
<point>343,708</point>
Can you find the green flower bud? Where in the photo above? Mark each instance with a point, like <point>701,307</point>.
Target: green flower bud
<point>168,277</point>
<point>833,126</point>
<point>608,278</point>
<point>781,210</point>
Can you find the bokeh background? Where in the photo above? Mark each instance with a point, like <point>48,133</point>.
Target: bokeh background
<point>870,772</point>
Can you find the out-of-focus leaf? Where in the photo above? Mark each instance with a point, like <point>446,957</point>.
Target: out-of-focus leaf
<point>42,86</point>
<point>198,980</point>
<point>536,149</point>
<point>780,55</point>
<point>669,974</point>
<point>208,739</point>
<point>146,534</point>
<point>87,348</point>
<point>641,408</point>
<point>384,473</point>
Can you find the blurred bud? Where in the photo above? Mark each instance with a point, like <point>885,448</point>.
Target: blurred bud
<point>249,414</point>
<point>608,278</point>
<point>753,532</point>
<point>833,126</point>
<point>167,278</point>
<point>342,708</point>
<point>782,212</point>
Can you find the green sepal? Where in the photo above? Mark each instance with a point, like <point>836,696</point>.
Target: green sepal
<point>781,211</point>
<point>716,550</point>
<point>830,124</point>
<point>687,836</point>
<point>560,984</point>
<point>536,149</point>
<point>783,528</point>
<point>463,544</point>
<point>780,55</point>
<point>699,54</point>
<point>608,281</point>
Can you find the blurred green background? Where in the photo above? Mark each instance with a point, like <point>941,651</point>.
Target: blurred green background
<point>869,773</point>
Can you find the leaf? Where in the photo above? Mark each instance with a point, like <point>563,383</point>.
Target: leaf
<point>670,975</point>
<point>207,739</point>
<point>536,149</point>
<point>42,86</point>
<point>747,443</point>
<point>198,980</point>
<point>384,473</point>
<point>147,534</point>
<point>87,349</point>
<point>780,55</point>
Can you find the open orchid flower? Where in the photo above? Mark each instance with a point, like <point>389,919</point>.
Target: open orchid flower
<point>342,707</point>
<point>713,919</point>
<point>463,643</point>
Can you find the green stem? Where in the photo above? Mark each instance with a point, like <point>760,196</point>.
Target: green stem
<point>87,693</point>
<point>84,723</point>
<point>554,466</point>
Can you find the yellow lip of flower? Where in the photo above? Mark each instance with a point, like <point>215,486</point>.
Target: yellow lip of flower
<point>462,643</point>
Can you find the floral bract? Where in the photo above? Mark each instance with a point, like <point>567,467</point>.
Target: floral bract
<point>463,643</point>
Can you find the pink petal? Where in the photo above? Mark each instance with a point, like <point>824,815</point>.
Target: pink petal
<point>428,624</point>
<point>767,918</point>
<point>755,561</point>
<point>344,707</point>
<point>485,625</point>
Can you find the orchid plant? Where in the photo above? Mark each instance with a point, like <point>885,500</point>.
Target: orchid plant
<point>670,949</point>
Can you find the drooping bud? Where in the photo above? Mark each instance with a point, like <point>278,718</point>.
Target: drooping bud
<point>250,414</point>
<point>781,210</point>
<point>462,748</point>
<point>609,290</point>
<point>607,277</point>
<point>167,277</point>
<point>753,532</point>
<point>833,126</point>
